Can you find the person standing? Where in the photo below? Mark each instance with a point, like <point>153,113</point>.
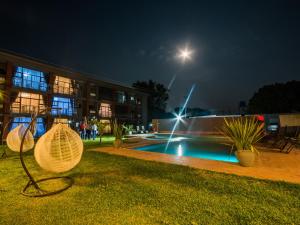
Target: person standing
<point>94,131</point>
<point>82,130</point>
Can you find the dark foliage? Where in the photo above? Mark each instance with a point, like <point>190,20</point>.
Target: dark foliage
<point>158,96</point>
<point>276,98</point>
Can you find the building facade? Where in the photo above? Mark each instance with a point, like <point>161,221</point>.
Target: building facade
<point>29,85</point>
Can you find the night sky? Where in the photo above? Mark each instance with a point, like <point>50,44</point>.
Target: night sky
<point>239,45</point>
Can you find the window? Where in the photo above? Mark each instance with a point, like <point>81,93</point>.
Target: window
<point>28,78</point>
<point>40,125</point>
<point>63,85</point>
<point>93,91</point>
<point>105,93</point>
<point>28,103</point>
<point>92,109</point>
<point>62,106</point>
<point>121,98</point>
<point>105,110</point>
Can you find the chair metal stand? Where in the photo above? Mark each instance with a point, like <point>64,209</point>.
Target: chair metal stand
<point>39,192</point>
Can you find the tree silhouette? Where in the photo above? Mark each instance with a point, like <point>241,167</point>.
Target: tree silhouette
<point>276,98</point>
<point>158,96</point>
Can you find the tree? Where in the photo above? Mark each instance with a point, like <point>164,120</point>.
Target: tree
<point>158,96</point>
<point>276,98</point>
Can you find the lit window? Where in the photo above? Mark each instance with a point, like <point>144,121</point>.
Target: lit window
<point>28,103</point>
<point>121,98</point>
<point>62,106</point>
<point>63,85</point>
<point>28,78</point>
<point>105,110</point>
<point>40,125</point>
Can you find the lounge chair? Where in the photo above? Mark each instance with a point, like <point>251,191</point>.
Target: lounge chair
<point>292,141</point>
<point>284,140</point>
<point>143,129</point>
<point>138,130</point>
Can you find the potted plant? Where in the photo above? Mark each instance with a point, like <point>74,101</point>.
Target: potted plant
<point>118,133</point>
<point>128,129</point>
<point>244,133</point>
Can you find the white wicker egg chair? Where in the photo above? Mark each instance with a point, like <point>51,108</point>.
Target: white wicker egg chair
<point>14,139</point>
<point>59,150</point>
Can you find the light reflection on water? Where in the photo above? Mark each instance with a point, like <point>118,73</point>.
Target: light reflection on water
<point>179,150</point>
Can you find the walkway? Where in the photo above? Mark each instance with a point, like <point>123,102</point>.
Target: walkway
<point>270,165</point>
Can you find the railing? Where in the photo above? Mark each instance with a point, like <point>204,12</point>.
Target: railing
<point>28,109</point>
<point>65,112</point>
<point>19,82</point>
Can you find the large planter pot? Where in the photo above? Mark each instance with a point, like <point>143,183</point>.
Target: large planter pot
<point>246,157</point>
<point>117,143</point>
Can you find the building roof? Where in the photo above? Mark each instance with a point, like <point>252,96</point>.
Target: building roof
<point>24,60</point>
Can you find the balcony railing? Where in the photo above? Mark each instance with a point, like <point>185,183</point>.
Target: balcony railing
<point>28,109</point>
<point>63,112</point>
<point>24,83</point>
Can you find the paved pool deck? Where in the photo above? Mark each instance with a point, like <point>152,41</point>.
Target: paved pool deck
<point>270,164</point>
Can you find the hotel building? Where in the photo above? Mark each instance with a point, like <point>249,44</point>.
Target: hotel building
<point>30,85</point>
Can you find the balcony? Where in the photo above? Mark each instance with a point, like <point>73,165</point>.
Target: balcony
<point>24,83</point>
<point>28,109</point>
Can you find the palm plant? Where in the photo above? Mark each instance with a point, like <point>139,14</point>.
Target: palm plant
<point>118,133</point>
<point>117,130</point>
<point>244,133</point>
<point>128,128</point>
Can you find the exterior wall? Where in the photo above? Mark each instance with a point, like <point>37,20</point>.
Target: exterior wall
<point>197,125</point>
<point>88,94</point>
<point>289,123</point>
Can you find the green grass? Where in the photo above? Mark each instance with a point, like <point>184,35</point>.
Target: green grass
<point>111,189</point>
<point>106,140</point>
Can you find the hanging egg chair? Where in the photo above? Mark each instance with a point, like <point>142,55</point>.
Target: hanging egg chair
<point>59,150</point>
<point>14,139</point>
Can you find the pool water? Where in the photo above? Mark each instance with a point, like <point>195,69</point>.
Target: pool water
<point>204,148</point>
<point>165,137</point>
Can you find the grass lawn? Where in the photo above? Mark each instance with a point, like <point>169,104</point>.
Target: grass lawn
<point>105,141</point>
<point>112,189</point>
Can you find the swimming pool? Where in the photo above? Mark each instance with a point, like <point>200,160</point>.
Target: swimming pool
<point>204,148</point>
<point>165,137</point>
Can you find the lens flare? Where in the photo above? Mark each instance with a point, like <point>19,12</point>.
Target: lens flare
<point>179,116</point>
